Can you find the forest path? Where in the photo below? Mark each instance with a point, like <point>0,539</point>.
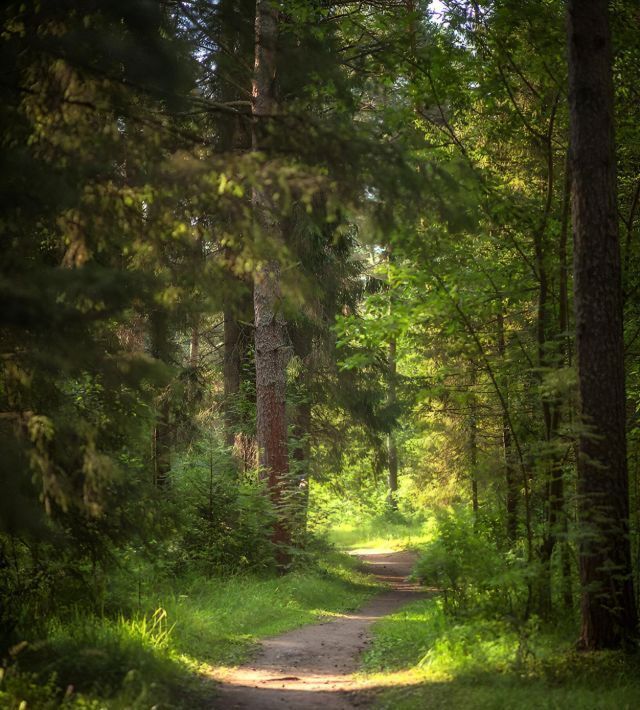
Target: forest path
<point>314,667</point>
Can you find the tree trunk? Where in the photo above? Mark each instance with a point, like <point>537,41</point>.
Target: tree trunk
<point>162,430</point>
<point>271,347</point>
<point>302,342</point>
<point>194,347</point>
<point>237,338</point>
<point>392,449</point>
<point>608,610</point>
<point>556,528</point>
<point>473,445</point>
<point>231,373</point>
<point>509,468</point>
<point>565,557</point>
<point>553,476</point>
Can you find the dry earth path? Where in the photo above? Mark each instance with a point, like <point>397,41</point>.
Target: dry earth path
<point>313,667</point>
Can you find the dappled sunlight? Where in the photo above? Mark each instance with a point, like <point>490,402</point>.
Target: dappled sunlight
<point>270,678</point>
<point>379,535</point>
<point>320,364</point>
<point>372,551</point>
<point>323,659</point>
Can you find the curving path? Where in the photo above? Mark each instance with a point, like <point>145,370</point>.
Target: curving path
<point>313,667</point>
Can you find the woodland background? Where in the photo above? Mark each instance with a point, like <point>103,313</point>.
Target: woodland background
<point>255,301</point>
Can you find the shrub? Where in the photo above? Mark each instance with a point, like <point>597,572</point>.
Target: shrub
<point>469,571</point>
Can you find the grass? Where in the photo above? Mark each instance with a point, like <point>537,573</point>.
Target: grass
<point>441,662</point>
<point>391,531</point>
<point>247,609</point>
<point>162,657</point>
<point>423,657</point>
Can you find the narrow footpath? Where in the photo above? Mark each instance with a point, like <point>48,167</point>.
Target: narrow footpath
<point>313,667</point>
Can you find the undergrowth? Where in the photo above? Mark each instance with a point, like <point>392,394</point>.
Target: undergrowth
<point>470,644</point>
<point>159,656</point>
<point>489,664</point>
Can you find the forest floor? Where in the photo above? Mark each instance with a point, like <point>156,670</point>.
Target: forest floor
<point>316,666</point>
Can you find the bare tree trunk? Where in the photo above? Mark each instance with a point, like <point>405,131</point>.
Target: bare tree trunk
<point>235,134</point>
<point>237,338</point>
<point>392,449</point>
<point>565,557</point>
<point>609,617</point>
<point>271,347</point>
<point>509,468</point>
<point>473,444</point>
<point>302,342</point>
<point>162,430</point>
<point>551,479</point>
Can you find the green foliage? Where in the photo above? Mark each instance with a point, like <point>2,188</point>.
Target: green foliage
<point>138,659</point>
<point>104,657</point>
<point>225,522</point>
<point>387,530</point>
<point>479,664</point>
<point>127,228</point>
<point>424,635</point>
<point>466,648</point>
<point>24,690</point>
<point>470,572</point>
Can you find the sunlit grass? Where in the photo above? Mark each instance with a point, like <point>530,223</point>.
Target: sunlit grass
<point>163,656</point>
<point>394,533</point>
<point>219,622</point>
<point>481,663</point>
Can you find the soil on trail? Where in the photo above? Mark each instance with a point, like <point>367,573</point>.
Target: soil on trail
<point>313,667</point>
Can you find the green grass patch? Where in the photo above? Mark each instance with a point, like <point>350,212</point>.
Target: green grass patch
<point>160,656</point>
<point>220,622</point>
<point>390,531</point>
<point>493,664</point>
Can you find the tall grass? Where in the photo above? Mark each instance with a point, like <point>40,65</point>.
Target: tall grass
<point>161,655</point>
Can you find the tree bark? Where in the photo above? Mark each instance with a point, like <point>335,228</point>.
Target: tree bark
<point>231,372</point>
<point>194,347</point>
<point>237,338</point>
<point>271,346</point>
<point>566,357</point>
<point>608,611</point>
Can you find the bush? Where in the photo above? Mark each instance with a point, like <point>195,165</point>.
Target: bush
<point>225,524</point>
<point>467,568</point>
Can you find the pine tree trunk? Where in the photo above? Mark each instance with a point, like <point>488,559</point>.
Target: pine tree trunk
<point>237,338</point>
<point>553,477</point>
<point>608,609</point>
<point>271,346</point>
<point>563,314</point>
<point>194,347</point>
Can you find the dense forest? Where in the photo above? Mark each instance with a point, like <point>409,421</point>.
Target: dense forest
<point>285,279</point>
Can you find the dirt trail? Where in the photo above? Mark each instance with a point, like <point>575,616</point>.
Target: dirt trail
<point>312,667</point>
